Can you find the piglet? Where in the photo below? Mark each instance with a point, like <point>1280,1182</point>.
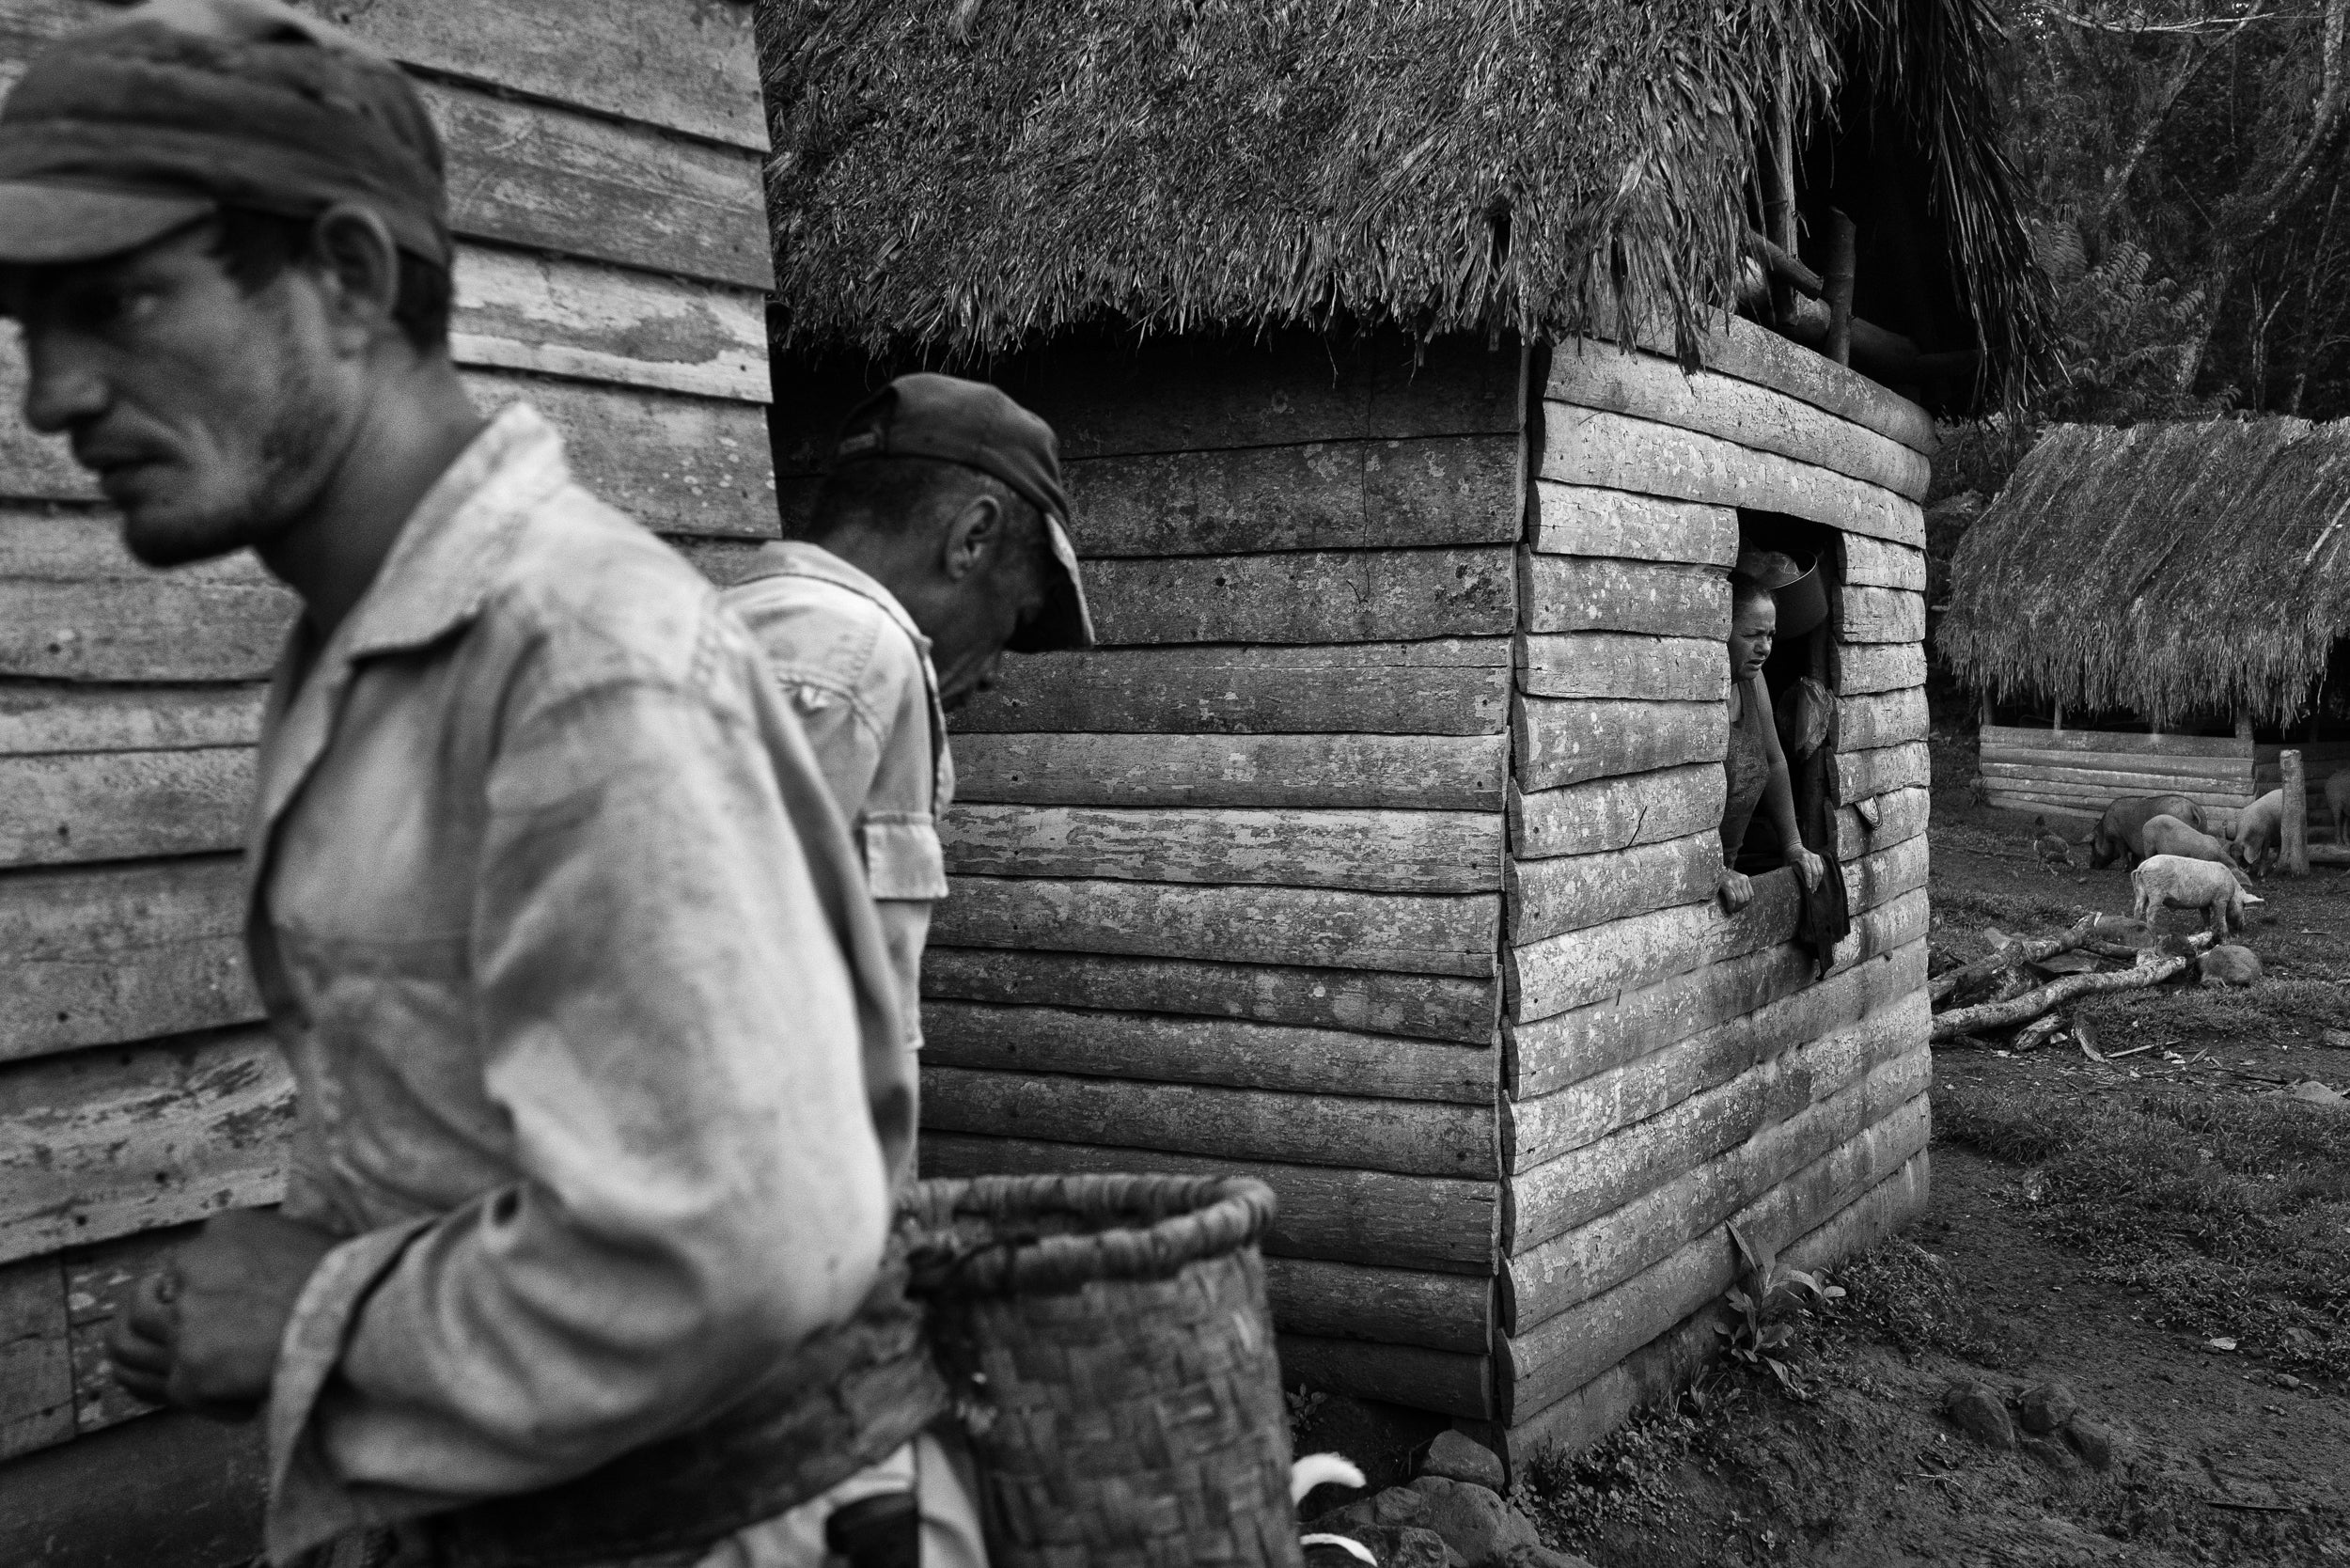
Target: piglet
<point>2169,836</point>
<point>2260,832</point>
<point>2177,882</point>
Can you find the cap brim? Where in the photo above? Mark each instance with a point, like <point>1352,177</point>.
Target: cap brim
<point>43,224</point>
<point>1065,621</point>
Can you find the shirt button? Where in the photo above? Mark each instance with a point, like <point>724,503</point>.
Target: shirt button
<point>812,698</point>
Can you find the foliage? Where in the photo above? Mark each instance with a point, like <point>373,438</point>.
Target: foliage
<point>2124,338</point>
<point>1629,1476</point>
<point>1764,1304</point>
<point>1302,1404</point>
<point>2232,1217</point>
<point>1901,1294</point>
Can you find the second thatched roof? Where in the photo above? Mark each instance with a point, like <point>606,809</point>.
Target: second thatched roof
<point>952,178</point>
<point>2169,568</point>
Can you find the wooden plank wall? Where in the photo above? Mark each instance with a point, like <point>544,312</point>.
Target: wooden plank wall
<point>604,161</point>
<point>1228,892</point>
<point>1668,1070</point>
<point>2077,773</point>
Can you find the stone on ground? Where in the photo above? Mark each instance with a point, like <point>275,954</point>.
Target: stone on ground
<point>2046,1407</point>
<point>1474,1521</point>
<point>2229,965</point>
<point>1394,1545</point>
<point>1457,1457</point>
<point>1980,1413</point>
<point>2092,1439</point>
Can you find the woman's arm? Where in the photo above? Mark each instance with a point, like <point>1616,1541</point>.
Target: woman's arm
<point>1778,795</point>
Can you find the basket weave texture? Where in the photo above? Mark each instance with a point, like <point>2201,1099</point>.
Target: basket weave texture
<point>1112,1356</point>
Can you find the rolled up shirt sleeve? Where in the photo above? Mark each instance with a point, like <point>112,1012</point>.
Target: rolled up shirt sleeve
<point>666,1016</point>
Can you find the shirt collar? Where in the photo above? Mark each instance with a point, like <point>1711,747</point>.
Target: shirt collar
<point>442,565</point>
<point>796,557</point>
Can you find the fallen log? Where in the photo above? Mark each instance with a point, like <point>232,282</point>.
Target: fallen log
<point>2036,1033</point>
<point>2152,969</point>
<point>2011,953</point>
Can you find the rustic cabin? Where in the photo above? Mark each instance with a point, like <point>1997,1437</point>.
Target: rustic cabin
<point>2160,610</point>
<point>605,162</point>
<point>1420,385</point>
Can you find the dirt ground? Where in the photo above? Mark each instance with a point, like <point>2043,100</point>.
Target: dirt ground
<point>2164,1234</point>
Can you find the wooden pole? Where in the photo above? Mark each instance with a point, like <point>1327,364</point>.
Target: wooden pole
<point>1844,244</point>
<point>1987,717</point>
<point>2295,860</point>
<point>2056,719</point>
<point>2243,724</point>
<point>1779,204</point>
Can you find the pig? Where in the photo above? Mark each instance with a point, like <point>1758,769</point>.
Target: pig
<point>2175,882</point>
<point>2260,832</point>
<point>2117,835</point>
<point>2338,802</point>
<point>2169,836</point>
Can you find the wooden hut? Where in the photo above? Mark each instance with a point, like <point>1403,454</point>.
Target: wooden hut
<point>604,174</point>
<point>1374,853</point>
<point>2160,609</point>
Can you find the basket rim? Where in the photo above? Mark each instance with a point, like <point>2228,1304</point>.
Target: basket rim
<point>1187,1219</point>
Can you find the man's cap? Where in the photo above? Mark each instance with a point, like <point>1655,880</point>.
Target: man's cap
<point>978,426</point>
<point>169,111</point>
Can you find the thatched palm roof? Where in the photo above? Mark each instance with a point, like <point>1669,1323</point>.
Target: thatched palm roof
<point>956,176</point>
<point>2171,568</point>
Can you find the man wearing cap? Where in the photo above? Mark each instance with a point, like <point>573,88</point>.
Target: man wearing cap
<point>595,1037</point>
<point>936,541</point>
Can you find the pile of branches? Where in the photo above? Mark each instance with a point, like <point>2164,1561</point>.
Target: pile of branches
<point>2021,986</point>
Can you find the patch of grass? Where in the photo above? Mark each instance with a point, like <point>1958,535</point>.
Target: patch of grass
<point>1901,1294</point>
<point>2230,1215</point>
<point>1627,1477</point>
<point>2017,913</point>
<point>2257,1014</point>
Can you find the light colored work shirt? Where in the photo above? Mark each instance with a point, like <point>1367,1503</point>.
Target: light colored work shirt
<point>593,1032</point>
<point>857,670</point>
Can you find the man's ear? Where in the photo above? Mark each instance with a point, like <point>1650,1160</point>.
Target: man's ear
<point>354,252</point>
<point>972,538</point>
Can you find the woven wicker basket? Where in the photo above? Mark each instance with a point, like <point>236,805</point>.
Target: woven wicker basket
<point>1112,1358</point>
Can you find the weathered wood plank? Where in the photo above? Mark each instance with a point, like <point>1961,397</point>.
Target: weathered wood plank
<point>1595,376</point>
<point>2191,771</point>
<point>1565,741</point>
<point>1395,851</point>
<point>110,954</point>
<point>1858,775</point>
<point>1616,813</point>
<point>75,607</point>
<point>1424,1379</point>
<point>1391,1306</point>
<point>674,463</point>
<point>2078,812</point>
<point>1877,667</point>
<point>1881,718</point>
<point>1886,928</point>
<point>2117,740</point>
<point>1422,1007</point>
<point>1875,563</point>
<point>126,805</point>
<point>1591,1106</point>
<point>1879,1054</point>
<point>533,311</point>
<point>1408,1137</point>
<point>1544,898</point>
<point>1350,1215</point>
<point>696,70</point>
<point>175,1489</point>
<point>47,718</point>
<point>1583,445</point>
<point>1445,686</point>
<point>1900,815</point>
<point>1612,664</point>
<point>1656,1370</point>
<point>2100,789</point>
<point>1886,874</point>
<point>1880,614</point>
<point>1583,520</point>
<point>1156,1048</point>
<point>1582,593</point>
<point>548,178</point>
<point>1574,1346</point>
<point>1733,346</point>
<point>1321,495</point>
<point>98,1283</point>
<point>1421,933</point>
<point>1578,1264</point>
<point>100,1143</point>
<point>1406,771</point>
<point>1309,596</point>
<point>36,1371</point>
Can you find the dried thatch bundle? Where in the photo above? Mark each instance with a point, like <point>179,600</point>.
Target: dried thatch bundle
<point>957,177</point>
<point>2173,568</point>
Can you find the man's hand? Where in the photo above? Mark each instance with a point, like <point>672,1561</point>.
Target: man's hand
<point>1734,888</point>
<point>1808,867</point>
<point>202,1333</point>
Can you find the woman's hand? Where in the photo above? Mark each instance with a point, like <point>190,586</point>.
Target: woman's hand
<point>1735,891</point>
<point>1808,867</point>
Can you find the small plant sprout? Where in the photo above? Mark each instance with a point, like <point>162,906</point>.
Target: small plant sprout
<point>1765,1298</point>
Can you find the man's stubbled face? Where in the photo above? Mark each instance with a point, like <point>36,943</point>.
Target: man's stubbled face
<point>208,415</point>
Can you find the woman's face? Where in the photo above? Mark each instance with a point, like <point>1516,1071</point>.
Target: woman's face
<point>1752,629</point>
